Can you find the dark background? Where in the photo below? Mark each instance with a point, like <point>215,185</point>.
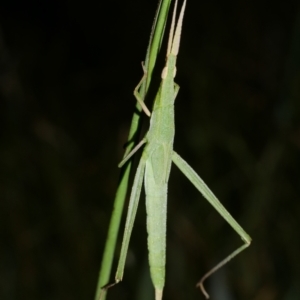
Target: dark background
<point>67,72</point>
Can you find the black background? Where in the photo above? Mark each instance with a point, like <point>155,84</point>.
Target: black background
<point>67,72</point>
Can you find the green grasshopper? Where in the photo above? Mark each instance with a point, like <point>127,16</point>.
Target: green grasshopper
<point>155,166</point>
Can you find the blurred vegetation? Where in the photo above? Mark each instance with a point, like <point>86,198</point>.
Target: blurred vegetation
<point>67,72</point>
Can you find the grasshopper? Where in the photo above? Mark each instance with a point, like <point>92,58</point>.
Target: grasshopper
<point>154,169</point>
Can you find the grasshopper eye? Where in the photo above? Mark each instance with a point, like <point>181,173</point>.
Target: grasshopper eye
<point>164,73</point>
<point>174,72</point>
